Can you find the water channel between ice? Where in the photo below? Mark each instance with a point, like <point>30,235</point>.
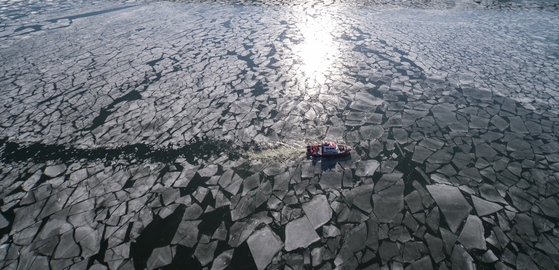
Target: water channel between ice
<point>147,135</point>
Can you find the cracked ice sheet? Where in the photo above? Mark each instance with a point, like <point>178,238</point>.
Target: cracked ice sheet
<point>160,63</point>
<point>158,82</point>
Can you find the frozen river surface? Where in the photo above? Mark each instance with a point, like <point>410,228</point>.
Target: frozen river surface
<point>171,135</point>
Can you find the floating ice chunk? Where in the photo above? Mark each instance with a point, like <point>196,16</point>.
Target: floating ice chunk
<point>89,240</point>
<point>353,136</point>
<point>524,261</point>
<point>3,222</point>
<point>41,262</point>
<point>433,219</point>
<point>310,114</point>
<point>366,168</point>
<point>55,203</point>
<point>170,196</point>
<point>364,101</point>
<point>499,122</point>
<point>25,216</point>
<point>274,169</point>
<point>316,255</point>
<point>330,231</point>
<point>440,157</point>
<point>394,121</point>
<point>186,175</point>
<point>264,245</point>
<point>549,207</point>
<point>187,233</point>
<point>299,233</point>
<point>435,247</point>
<point>518,145</point>
<point>25,237</point>
<point>318,211</point>
<point>251,183</point>
<point>208,171</point>
<point>192,212</point>
<point>400,135</point>
<point>472,173</point>
<point>67,247</point>
<point>388,166</point>
<point>225,179</point>
<point>221,200</point>
<point>389,202</point>
<point>477,93</point>
<point>489,193</point>
<point>235,185</point>
<point>199,194</point>
<point>205,252</point>
<point>517,125</point>
<point>351,263</point>
<point>355,239</point>
<point>159,257</point>
<point>220,233</point>
<point>444,114</point>
<point>344,255</point>
<point>244,208</point>
<point>483,207</point>
<point>361,197</point>
<point>235,233</point>
<point>335,133</point>
<point>308,170</point>
<point>520,199</point>
<point>387,181</point>
<point>413,200</point>
<point>449,239</point>
<point>509,105</point>
<point>54,171</point>
<point>423,263</point>
<point>478,122</point>
<point>387,251</point>
<point>331,180</point>
<point>30,183</point>
<point>410,251</point>
<point>535,129</point>
<point>371,132</point>
<point>461,160</point>
<point>420,154</point>
<point>452,203</point>
<point>281,182</point>
<point>252,224</point>
<point>375,148</point>
<point>461,260</point>
<point>222,261</point>
<point>169,178</point>
<point>51,228</point>
<point>472,234</point>
<point>525,226</point>
<point>489,257</point>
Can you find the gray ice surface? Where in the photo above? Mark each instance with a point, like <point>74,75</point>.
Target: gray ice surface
<point>264,244</point>
<point>145,134</point>
<point>299,233</point>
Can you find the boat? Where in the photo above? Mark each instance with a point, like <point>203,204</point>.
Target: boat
<point>328,149</point>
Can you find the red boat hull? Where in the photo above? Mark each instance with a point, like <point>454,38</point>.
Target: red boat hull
<point>317,153</point>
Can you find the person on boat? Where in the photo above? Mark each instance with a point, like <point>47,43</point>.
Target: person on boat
<point>314,148</point>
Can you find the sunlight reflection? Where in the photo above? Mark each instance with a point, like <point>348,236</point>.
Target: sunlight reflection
<point>319,50</point>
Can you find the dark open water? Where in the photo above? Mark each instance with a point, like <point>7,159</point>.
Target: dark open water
<point>171,135</point>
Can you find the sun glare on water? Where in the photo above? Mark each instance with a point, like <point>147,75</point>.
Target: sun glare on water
<point>318,51</point>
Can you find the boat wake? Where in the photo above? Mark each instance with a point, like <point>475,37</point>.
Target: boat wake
<point>276,152</point>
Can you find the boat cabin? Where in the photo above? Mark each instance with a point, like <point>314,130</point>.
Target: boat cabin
<point>329,148</point>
